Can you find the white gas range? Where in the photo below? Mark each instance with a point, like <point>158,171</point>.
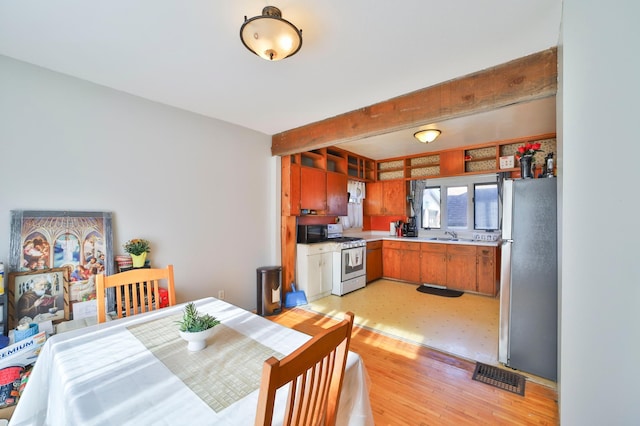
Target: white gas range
<point>349,261</point>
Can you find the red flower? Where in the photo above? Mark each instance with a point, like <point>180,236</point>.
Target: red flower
<point>528,149</point>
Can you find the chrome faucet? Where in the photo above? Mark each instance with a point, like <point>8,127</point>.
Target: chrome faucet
<point>452,233</point>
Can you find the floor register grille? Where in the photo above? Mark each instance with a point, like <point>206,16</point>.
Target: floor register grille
<point>499,378</point>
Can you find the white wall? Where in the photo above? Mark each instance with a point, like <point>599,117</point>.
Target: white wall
<point>204,192</point>
<point>600,281</point>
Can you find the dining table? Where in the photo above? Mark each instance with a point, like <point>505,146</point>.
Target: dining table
<point>138,371</point>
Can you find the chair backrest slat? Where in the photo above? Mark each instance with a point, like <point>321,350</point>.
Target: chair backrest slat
<point>136,291</point>
<point>314,373</point>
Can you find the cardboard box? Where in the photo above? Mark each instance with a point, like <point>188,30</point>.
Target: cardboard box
<point>23,353</point>
<point>6,412</point>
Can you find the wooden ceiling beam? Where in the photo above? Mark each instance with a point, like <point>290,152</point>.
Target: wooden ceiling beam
<point>525,79</point>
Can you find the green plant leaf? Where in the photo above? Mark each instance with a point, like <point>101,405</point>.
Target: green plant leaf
<point>193,322</point>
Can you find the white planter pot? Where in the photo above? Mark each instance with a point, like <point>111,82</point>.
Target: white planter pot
<point>198,340</point>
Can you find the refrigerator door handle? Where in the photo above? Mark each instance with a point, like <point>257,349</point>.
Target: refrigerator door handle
<point>505,302</point>
<point>507,210</point>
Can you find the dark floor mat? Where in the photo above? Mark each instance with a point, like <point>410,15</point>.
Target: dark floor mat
<point>439,291</point>
<point>499,378</point>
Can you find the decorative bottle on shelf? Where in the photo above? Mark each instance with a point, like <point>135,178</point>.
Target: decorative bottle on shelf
<point>549,163</point>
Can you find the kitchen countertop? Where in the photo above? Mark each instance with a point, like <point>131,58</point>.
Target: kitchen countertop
<point>379,236</point>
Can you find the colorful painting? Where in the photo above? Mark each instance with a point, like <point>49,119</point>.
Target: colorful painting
<point>81,242</point>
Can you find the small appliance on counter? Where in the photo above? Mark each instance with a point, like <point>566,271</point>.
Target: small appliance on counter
<point>410,229</point>
<point>309,234</point>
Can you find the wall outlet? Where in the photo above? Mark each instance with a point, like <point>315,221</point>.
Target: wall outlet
<point>221,294</point>
<point>485,237</point>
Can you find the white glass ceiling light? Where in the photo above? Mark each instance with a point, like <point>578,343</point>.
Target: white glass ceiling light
<point>427,135</point>
<point>269,36</point>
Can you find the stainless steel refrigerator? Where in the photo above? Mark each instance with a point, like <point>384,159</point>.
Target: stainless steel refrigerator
<point>529,277</point>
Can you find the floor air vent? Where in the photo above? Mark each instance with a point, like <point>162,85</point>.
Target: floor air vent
<point>499,378</point>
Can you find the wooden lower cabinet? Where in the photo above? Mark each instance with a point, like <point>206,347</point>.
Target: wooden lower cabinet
<point>374,260</point>
<point>461,267</point>
<point>456,266</point>
<point>488,265</point>
<point>401,260</point>
<point>433,264</point>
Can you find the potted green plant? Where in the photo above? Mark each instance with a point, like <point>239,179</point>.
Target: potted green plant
<point>137,249</point>
<point>195,328</point>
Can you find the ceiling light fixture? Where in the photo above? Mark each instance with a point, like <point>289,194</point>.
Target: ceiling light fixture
<point>269,36</point>
<point>427,135</point>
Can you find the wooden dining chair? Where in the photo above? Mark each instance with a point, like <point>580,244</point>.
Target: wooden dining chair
<point>314,373</point>
<point>136,291</point>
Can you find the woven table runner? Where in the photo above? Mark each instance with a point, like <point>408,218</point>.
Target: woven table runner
<point>227,370</point>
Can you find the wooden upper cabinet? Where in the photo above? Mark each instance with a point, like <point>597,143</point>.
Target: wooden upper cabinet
<point>386,198</point>
<point>290,187</point>
<point>373,204</point>
<point>395,198</point>
<point>313,188</point>
<point>451,163</point>
<point>337,198</point>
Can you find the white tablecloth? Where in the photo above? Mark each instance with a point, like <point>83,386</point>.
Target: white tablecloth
<point>103,375</point>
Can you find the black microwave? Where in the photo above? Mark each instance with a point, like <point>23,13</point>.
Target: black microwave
<point>308,234</point>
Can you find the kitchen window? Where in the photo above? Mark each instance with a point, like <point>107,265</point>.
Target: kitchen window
<point>461,203</point>
<point>486,209</point>
<point>431,207</point>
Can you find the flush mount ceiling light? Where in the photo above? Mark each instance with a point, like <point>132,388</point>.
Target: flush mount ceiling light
<point>269,36</point>
<point>427,135</point>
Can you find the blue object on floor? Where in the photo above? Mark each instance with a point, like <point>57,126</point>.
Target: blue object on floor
<point>295,298</point>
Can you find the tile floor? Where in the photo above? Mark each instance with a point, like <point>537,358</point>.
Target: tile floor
<point>465,326</point>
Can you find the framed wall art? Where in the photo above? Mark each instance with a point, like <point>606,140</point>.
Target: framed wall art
<point>81,242</point>
<point>38,296</point>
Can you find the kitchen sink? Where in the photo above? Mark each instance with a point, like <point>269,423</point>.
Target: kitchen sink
<point>468,240</point>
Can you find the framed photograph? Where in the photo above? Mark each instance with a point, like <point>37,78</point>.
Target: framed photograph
<point>81,242</point>
<point>38,296</point>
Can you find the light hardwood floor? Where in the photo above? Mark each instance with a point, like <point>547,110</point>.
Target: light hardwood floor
<point>414,385</point>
